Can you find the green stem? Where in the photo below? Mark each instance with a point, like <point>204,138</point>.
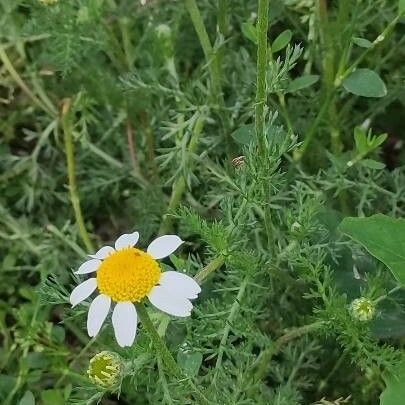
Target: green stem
<point>210,56</point>
<point>262,27</point>
<point>265,357</point>
<point>223,16</point>
<point>309,135</point>
<point>261,97</point>
<point>328,65</point>
<point>212,266</point>
<point>17,78</point>
<point>179,185</point>
<point>385,296</point>
<point>74,196</point>
<point>384,34</point>
<point>165,355</point>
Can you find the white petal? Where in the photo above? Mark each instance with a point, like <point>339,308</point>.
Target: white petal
<point>82,291</point>
<point>164,246</point>
<point>127,240</point>
<point>170,303</point>
<point>88,267</point>
<point>98,311</point>
<point>125,320</point>
<point>103,252</point>
<point>180,284</point>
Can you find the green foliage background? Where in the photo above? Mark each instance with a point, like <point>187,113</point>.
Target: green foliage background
<point>154,110</point>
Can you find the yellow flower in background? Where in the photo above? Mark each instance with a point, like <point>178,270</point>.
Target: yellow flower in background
<point>126,275</point>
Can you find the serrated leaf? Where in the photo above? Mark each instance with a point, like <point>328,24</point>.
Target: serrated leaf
<point>245,134</point>
<point>383,237</point>
<point>394,392</point>
<point>27,399</point>
<point>373,164</point>
<point>302,82</point>
<point>249,31</point>
<point>362,42</point>
<point>365,83</point>
<point>281,41</point>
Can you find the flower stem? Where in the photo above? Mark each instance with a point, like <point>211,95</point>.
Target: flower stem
<point>70,161</point>
<point>165,355</point>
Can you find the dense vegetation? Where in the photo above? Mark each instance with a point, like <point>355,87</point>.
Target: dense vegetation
<point>251,129</point>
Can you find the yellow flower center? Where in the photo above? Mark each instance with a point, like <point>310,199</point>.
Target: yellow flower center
<point>128,275</point>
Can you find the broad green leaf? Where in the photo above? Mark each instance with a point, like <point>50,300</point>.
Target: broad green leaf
<point>27,399</point>
<point>189,362</point>
<point>362,42</point>
<point>52,397</point>
<point>373,164</point>
<point>401,7</point>
<point>281,41</point>
<point>245,134</point>
<point>249,31</point>
<point>383,237</point>
<point>302,82</point>
<point>394,393</point>
<point>365,83</point>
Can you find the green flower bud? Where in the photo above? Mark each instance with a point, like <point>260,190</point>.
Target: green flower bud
<point>362,309</point>
<point>106,369</point>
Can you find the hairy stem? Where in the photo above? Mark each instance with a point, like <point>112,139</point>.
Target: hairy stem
<point>165,355</point>
<point>70,161</point>
<point>261,97</point>
<point>261,87</point>
<point>212,266</point>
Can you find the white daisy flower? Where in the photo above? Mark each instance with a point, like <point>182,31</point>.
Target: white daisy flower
<point>124,275</point>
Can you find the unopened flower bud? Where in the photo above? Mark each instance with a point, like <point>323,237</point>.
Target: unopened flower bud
<point>106,369</point>
<point>362,309</point>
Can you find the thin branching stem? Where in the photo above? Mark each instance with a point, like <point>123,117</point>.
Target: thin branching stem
<point>24,87</point>
<point>228,326</point>
<point>179,185</point>
<point>265,357</point>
